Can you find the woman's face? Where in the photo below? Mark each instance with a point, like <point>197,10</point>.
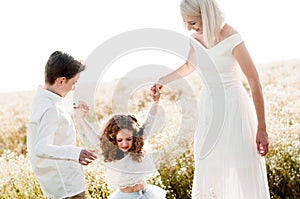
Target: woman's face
<point>124,139</point>
<point>193,23</point>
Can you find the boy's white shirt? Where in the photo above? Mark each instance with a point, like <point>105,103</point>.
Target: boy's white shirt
<point>51,139</point>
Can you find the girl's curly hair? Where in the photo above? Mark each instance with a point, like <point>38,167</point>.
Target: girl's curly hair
<point>108,140</point>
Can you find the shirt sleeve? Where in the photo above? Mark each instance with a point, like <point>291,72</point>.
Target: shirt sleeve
<point>45,147</point>
<point>89,137</point>
<point>153,120</point>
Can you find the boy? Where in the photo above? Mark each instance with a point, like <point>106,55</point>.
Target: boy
<point>51,135</point>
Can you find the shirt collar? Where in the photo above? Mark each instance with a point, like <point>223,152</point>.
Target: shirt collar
<point>53,96</point>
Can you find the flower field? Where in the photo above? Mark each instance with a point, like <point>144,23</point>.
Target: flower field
<point>281,86</point>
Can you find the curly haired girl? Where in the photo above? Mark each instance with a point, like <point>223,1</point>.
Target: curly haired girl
<point>121,151</point>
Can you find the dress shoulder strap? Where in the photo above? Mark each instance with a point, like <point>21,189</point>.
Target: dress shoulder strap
<point>235,40</point>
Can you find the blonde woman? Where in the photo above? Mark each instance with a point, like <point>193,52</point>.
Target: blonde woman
<point>231,137</point>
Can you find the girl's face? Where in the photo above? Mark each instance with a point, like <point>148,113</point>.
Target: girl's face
<point>124,139</point>
<point>193,23</point>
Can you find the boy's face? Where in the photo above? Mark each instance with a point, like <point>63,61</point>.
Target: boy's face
<point>67,85</point>
<point>124,140</point>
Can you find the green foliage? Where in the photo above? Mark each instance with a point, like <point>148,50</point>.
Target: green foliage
<point>177,179</point>
<point>96,187</point>
<point>283,168</point>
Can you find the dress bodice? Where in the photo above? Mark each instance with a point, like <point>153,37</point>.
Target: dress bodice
<point>222,68</point>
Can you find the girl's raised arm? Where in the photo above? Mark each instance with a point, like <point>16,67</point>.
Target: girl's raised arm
<point>87,134</point>
<point>153,120</point>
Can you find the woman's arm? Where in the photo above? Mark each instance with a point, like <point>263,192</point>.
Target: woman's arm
<point>243,57</point>
<point>184,70</point>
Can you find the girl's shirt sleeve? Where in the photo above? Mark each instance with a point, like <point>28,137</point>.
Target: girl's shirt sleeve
<point>89,137</point>
<point>153,121</point>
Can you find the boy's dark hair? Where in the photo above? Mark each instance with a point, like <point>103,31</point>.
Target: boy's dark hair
<point>61,64</point>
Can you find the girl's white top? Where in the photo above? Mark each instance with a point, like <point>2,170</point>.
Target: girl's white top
<point>127,172</point>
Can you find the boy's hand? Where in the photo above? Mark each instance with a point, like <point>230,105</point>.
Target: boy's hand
<point>87,156</point>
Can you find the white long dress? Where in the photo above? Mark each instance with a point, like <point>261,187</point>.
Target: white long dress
<point>227,164</point>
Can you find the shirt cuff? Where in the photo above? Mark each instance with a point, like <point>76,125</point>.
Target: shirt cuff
<point>76,153</point>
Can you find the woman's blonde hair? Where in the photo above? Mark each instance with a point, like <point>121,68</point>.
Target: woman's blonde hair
<point>211,15</point>
<point>108,139</point>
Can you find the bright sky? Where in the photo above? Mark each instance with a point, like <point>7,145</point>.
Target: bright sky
<point>31,30</point>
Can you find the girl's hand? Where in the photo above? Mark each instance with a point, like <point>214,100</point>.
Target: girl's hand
<point>81,108</point>
<point>156,96</point>
<point>155,90</point>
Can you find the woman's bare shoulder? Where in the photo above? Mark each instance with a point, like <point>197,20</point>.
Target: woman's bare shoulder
<point>227,31</point>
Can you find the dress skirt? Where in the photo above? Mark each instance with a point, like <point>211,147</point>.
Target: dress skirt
<point>150,192</point>
<point>231,168</point>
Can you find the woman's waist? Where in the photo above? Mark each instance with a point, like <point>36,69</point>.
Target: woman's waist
<point>134,188</point>
<point>223,87</point>
<point>223,84</point>
<point>232,92</point>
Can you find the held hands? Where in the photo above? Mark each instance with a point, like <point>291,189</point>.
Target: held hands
<point>262,142</point>
<point>156,91</point>
<point>87,156</point>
